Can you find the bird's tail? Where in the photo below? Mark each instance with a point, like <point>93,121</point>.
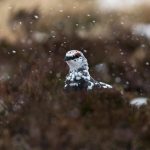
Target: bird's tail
<point>104,85</point>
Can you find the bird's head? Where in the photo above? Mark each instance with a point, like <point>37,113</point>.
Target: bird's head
<point>76,60</point>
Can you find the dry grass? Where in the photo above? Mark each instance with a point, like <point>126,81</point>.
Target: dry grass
<point>35,112</point>
<point>83,18</point>
<point>51,12</point>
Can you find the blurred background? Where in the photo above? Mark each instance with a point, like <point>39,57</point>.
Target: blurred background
<point>35,112</point>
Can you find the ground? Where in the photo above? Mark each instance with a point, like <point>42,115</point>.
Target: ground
<point>35,111</point>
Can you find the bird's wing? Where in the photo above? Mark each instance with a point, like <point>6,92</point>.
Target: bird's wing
<point>100,84</point>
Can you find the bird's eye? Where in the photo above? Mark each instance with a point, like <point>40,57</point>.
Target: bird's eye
<point>77,55</point>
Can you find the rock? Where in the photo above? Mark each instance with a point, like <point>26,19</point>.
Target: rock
<point>139,101</point>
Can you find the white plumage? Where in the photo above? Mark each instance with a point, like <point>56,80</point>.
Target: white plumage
<point>79,77</point>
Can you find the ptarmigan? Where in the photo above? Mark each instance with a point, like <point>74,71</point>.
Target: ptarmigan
<point>79,77</point>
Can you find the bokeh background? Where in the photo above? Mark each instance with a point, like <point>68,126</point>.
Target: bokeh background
<point>36,113</point>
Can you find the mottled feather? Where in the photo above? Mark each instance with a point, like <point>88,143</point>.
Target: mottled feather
<point>79,77</point>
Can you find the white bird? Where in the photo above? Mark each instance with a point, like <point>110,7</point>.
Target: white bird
<point>79,77</point>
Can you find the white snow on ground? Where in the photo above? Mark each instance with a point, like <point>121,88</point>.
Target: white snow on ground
<point>119,5</point>
<point>139,101</point>
<point>142,29</point>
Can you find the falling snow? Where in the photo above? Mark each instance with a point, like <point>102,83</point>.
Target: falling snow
<point>114,37</point>
<point>36,16</point>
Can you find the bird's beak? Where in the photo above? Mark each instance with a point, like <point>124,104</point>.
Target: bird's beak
<point>66,58</point>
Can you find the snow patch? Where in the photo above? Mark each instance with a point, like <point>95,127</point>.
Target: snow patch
<point>139,101</point>
<point>142,30</point>
<point>120,5</point>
